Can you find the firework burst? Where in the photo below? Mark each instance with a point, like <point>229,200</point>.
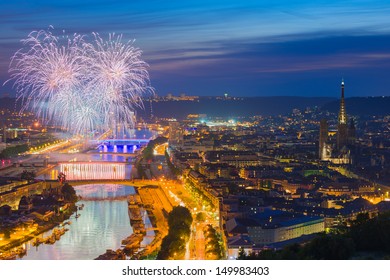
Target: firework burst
<point>80,85</point>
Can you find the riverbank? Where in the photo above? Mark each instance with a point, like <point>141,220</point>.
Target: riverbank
<point>157,206</point>
<point>154,246</point>
<point>44,227</point>
<point>70,248</point>
<point>132,244</point>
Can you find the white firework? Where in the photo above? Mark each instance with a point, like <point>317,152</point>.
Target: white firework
<point>121,76</point>
<point>79,85</point>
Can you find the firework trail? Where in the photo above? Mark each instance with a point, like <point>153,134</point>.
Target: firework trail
<point>82,86</point>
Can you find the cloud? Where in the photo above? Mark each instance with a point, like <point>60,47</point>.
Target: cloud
<point>319,53</point>
<point>222,41</point>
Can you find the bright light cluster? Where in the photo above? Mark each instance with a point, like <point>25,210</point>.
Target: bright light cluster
<point>78,84</point>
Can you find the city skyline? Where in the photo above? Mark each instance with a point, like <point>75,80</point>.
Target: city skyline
<point>253,48</point>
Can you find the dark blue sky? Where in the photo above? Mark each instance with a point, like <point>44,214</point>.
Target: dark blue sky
<point>244,48</point>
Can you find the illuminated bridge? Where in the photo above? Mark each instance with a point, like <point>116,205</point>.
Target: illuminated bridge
<point>126,141</point>
<point>111,160</point>
<point>75,171</point>
<point>120,145</point>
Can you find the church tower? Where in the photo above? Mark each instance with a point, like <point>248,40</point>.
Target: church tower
<point>342,113</point>
<point>342,127</point>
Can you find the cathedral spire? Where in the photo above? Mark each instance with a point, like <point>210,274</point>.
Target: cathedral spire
<point>342,113</point>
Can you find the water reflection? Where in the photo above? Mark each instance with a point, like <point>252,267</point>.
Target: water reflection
<point>104,191</point>
<point>102,225</point>
<point>109,157</point>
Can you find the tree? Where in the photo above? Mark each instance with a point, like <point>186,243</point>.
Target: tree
<point>164,252</point>
<point>290,252</point>
<point>69,193</point>
<point>179,216</point>
<point>372,234</point>
<point>173,245</point>
<point>213,246</point>
<point>182,232</point>
<point>28,175</point>
<point>361,218</point>
<point>13,151</point>
<point>5,210</point>
<point>267,254</point>
<point>148,150</point>
<point>329,247</point>
<point>241,254</point>
<point>200,217</point>
<point>7,231</point>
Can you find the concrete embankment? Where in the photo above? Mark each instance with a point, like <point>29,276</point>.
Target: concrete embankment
<point>148,200</point>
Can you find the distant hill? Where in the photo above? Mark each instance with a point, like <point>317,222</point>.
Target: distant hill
<point>362,106</point>
<point>250,106</point>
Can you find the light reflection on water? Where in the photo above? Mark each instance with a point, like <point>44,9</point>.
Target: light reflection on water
<point>109,157</point>
<point>102,225</point>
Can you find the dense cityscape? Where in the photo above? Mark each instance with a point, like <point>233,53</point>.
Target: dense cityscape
<point>288,186</point>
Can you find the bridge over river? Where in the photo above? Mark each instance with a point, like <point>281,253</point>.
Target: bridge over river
<point>136,183</point>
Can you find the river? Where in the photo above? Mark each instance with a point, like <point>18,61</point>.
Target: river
<point>103,223</point>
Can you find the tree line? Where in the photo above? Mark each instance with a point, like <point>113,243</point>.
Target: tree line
<point>13,151</point>
<point>173,245</point>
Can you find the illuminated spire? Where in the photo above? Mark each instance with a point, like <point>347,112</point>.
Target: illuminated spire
<point>342,113</point>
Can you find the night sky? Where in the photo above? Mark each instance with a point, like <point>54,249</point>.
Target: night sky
<point>244,48</point>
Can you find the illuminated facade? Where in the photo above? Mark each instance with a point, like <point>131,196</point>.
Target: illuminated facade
<point>269,233</point>
<point>340,151</point>
<point>270,228</point>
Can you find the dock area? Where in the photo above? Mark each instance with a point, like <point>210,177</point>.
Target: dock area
<point>153,202</point>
